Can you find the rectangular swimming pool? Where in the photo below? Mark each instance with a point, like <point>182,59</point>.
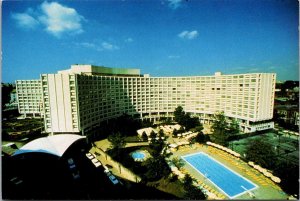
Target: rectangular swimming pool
<point>228,181</point>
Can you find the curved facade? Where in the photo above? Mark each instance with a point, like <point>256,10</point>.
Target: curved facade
<point>78,99</point>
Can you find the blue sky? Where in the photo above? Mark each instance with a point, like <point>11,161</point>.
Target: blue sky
<point>161,37</point>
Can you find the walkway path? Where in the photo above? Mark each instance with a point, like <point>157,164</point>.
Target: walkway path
<point>117,168</point>
<point>105,144</point>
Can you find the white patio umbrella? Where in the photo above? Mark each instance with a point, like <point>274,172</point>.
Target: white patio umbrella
<point>224,148</point>
<point>267,174</point>
<point>173,168</point>
<point>263,170</point>
<point>237,154</point>
<point>256,166</point>
<point>233,153</point>
<point>173,145</point>
<point>276,179</point>
<point>218,146</point>
<point>260,169</point>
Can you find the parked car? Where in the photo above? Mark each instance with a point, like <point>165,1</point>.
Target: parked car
<point>89,155</point>
<point>96,162</point>
<point>111,177</point>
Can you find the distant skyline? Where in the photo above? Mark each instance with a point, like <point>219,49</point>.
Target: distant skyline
<point>162,38</point>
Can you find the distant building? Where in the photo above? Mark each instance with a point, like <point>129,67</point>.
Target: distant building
<point>13,96</point>
<point>289,114</point>
<point>13,103</point>
<point>29,96</point>
<point>79,99</point>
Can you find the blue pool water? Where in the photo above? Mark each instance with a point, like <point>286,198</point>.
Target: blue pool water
<point>231,183</point>
<point>138,155</point>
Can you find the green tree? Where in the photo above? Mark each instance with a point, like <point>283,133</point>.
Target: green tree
<point>146,123</point>
<point>174,133</point>
<point>190,122</point>
<point>289,175</point>
<point>5,135</point>
<point>168,120</point>
<point>199,128</point>
<point>6,90</point>
<point>185,119</point>
<point>187,182</point>
<point>153,135</point>
<point>178,162</point>
<point>233,127</point>
<point>117,143</point>
<point>194,193</point>
<point>144,136</point>
<point>201,138</point>
<point>191,191</point>
<point>219,127</point>
<point>181,130</point>
<point>179,114</point>
<point>161,133</point>
<point>156,168</point>
<point>156,147</point>
<point>261,153</point>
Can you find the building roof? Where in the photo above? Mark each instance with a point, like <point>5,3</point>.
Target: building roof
<point>101,70</point>
<point>55,145</point>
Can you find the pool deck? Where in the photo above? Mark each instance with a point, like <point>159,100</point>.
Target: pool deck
<point>267,189</point>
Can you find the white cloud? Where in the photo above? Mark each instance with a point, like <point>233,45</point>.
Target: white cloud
<point>56,19</point>
<point>254,70</point>
<point>25,20</point>
<point>174,4</point>
<point>129,40</point>
<point>98,47</point>
<point>271,67</point>
<point>109,46</point>
<point>173,57</point>
<point>60,19</point>
<point>188,34</point>
<point>87,45</point>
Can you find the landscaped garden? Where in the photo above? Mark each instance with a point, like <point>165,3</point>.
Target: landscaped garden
<point>16,129</point>
<point>156,171</point>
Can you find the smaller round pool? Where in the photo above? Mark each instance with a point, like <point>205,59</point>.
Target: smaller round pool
<point>140,155</point>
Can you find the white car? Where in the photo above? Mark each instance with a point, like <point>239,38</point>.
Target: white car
<point>96,162</point>
<point>89,155</point>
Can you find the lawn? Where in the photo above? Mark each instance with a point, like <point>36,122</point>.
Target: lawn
<point>20,125</point>
<point>169,185</point>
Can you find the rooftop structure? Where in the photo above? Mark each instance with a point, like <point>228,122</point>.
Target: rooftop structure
<point>101,70</point>
<point>55,145</point>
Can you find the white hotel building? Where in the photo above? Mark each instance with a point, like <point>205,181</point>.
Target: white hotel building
<point>29,96</point>
<point>79,99</point>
